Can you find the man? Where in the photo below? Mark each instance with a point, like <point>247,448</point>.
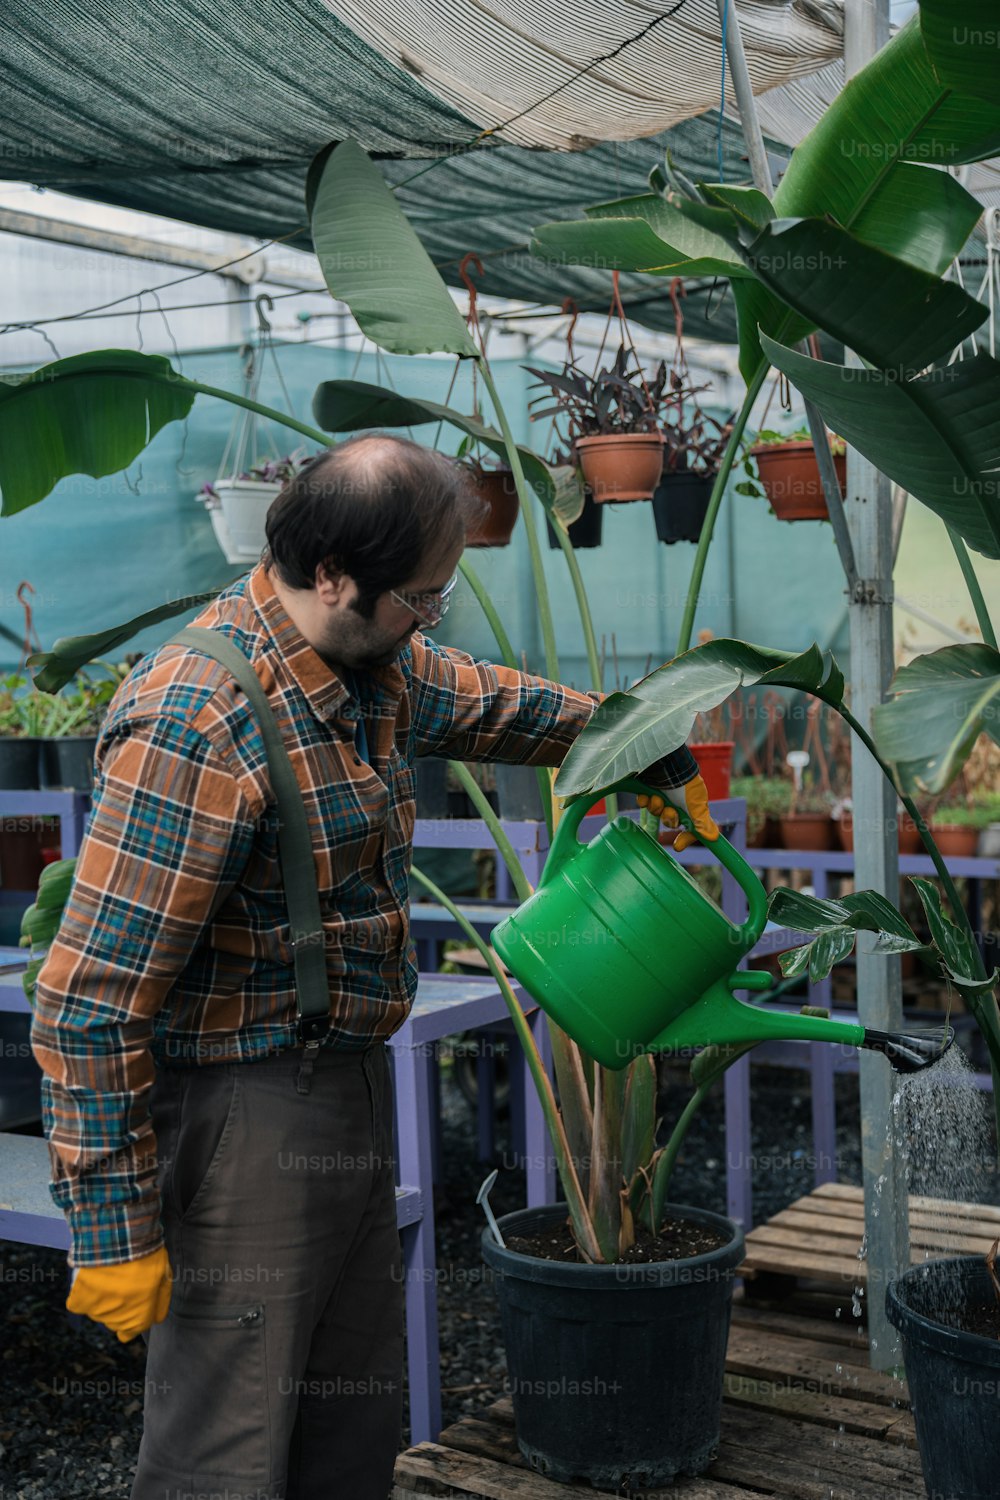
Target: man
<point>191,1141</point>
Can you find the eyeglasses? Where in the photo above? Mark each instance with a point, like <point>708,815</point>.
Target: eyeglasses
<point>429,608</point>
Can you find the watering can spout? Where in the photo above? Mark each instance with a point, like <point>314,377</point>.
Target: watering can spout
<point>910,1052</point>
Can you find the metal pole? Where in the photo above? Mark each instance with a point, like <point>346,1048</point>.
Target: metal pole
<point>876,850</point>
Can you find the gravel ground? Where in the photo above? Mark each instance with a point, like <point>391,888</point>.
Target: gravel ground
<point>71,1398</point>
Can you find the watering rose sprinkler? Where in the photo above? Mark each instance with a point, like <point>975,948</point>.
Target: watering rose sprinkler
<point>622,948</point>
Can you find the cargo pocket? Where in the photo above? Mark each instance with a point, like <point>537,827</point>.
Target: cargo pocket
<point>209,1417</point>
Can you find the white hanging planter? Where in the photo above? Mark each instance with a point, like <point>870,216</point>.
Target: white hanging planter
<point>238,519</point>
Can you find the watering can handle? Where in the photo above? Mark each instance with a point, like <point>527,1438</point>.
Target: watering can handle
<point>565,844</point>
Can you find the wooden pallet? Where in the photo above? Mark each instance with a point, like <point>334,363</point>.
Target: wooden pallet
<point>819,1239</point>
<point>804,1418</point>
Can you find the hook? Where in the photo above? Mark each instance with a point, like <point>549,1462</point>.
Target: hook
<point>569,306</point>
<point>262,320</point>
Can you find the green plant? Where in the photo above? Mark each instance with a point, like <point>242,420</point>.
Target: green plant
<point>964,815</point>
<point>766,797</point>
<point>768,438</point>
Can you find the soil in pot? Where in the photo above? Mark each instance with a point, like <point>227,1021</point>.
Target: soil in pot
<point>680,504</point>
<point>790,478</point>
<point>615,1371</point>
<point>495,487</point>
<point>956,840</point>
<point>621,465</point>
<point>807,831</point>
<point>715,762</point>
<point>586,530</point>
<point>678,1239</point>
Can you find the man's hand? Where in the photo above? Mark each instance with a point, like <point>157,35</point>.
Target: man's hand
<point>127,1298</point>
<point>693,798</point>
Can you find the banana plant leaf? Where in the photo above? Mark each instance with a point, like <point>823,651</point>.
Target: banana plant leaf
<point>891,313</point>
<point>836,925</point>
<point>663,236</point>
<point>373,260</point>
<point>955,946</point>
<point>71,652</point>
<point>350,405</point>
<point>89,414</point>
<point>941,703</point>
<point>629,731</point>
<point>937,435</point>
<point>949,34</point>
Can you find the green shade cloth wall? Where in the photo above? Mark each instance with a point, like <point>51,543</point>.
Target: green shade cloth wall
<point>101,551</point>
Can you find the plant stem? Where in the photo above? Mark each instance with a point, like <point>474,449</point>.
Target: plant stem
<point>537,568</point>
<point>718,490</point>
<point>975,591</point>
<point>665,1164</point>
<point>281,417</point>
<point>489,817</point>
<point>582,1226</point>
<point>583,605</point>
<point>489,610</point>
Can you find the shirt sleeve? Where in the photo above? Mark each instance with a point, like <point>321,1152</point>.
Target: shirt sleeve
<point>474,710</point>
<point>169,835</point>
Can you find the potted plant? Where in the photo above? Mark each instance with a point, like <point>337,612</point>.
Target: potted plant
<point>713,750</point>
<point>808,823</point>
<point>908,834</point>
<point>787,474</point>
<point>238,504</point>
<point>20,742</point>
<point>72,728</point>
<point>493,483</point>
<point>957,826</point>
<point>767,798</point>
<point>612,424</point>
<point>587,530</point>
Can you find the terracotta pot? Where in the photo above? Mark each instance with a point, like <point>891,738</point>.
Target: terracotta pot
<point>956,839</point>
<point>807,831</point>
<point>621,465</point>
<point>908,834</point>
<point>496,488</point>
<point>790,478</point>
<point>715,762</point>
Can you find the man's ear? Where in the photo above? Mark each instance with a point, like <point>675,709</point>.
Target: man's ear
<point>330,582</point>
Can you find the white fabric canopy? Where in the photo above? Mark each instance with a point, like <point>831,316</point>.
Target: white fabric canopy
<point>493,60</point>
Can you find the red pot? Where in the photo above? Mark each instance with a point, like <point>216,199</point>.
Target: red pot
<point>715,762</point>
<point>495,487</point>
<point>955,839</point>
<point>621,465</point>
<point>789,475</point>
<point>807,831</point>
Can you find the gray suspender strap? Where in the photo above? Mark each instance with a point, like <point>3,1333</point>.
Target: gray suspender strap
<point>294,842</point>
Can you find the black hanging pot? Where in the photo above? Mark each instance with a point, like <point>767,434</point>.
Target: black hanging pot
<point>586,530</point>
<point>20,763</point>
<point>680,505</point>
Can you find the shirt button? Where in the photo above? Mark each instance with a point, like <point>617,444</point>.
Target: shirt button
<point>357,760</point>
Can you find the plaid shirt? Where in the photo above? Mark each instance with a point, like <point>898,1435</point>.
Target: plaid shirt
<point>174,948</point>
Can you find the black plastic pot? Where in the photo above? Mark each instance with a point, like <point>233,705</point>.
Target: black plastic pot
<point>586,530</point>
<point>680,505</point>
<point>517,793</point>
<point>431,774</point>
<point>20,764</point>
<point>616,1372</point>
<point>69,762</point>
<point>954,1377</point>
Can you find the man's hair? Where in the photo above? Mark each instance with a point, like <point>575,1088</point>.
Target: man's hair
<point>374,507</point>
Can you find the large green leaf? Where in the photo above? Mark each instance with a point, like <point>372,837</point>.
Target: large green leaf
<point>629,731</point>
<point>71,652</point>
<point>895,316</point>
<point>920,214</point>
<point>937,435</point>
<point>836,925</point>
<point>962,43</point>
<point>351,405</point>
<point>956,945</point>
<point>89,414</point>
<point>665,237</point>
<point>373,260</point>
<point>940,705</point>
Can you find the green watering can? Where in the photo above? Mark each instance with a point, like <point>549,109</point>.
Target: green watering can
<point>622,948</point>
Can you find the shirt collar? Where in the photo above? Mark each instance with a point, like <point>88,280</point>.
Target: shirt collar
<point>323,689</point>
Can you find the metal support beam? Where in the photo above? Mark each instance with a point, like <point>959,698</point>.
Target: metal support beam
<point>82,236</point>
<point>876,850</point>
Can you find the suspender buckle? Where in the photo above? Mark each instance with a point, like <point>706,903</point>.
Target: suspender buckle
<point>311,1030</point>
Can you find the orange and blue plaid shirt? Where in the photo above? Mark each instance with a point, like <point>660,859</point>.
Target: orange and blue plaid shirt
<point>174,948</point>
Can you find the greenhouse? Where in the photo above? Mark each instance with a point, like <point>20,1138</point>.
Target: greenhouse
<point>500,751</point>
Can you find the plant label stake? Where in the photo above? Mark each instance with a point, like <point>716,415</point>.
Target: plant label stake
<point>483,1198</point>
<point>622,948</point>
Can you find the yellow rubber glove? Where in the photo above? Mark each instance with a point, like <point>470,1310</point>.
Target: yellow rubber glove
<point>693,797</point>
<point>127,1298</point>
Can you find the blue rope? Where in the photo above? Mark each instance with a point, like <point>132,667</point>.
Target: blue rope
<point>722,99</point>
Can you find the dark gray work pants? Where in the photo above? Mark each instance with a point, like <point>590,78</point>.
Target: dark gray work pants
<point>277,1374</point>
